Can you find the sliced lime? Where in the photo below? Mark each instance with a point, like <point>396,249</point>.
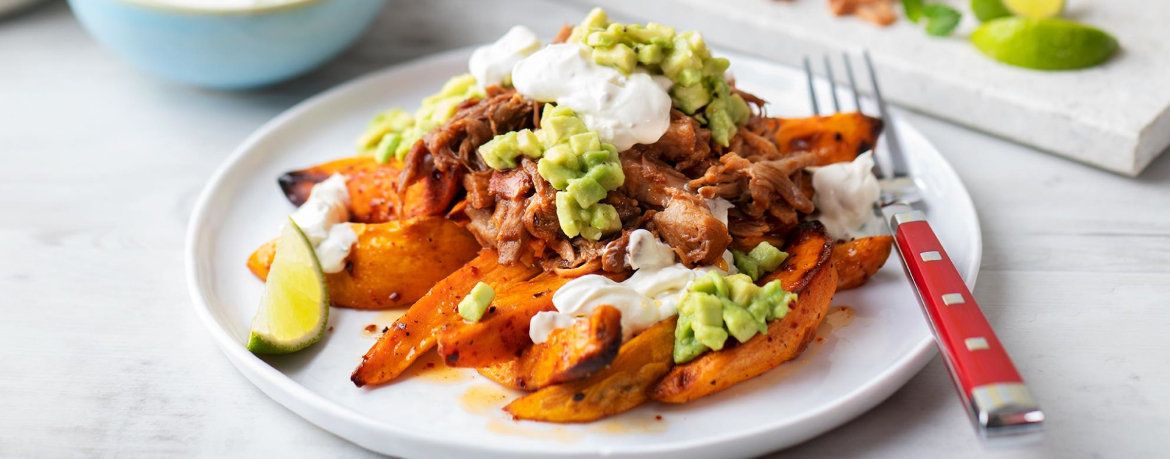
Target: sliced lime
<point>1043,44</point>
<point>1035,8</point>
<point>295,305</point>
<point>986,10</point>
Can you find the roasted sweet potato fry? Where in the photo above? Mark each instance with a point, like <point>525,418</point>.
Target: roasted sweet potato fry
<point>620,387</point>
<point>373,189</point>
<point>502,333</point>
<point>393,263</point>
<point>859,259</point>
<point>807,271</point>
<point>417,331</point>
<point>569,354</point>
<point>834,138</point>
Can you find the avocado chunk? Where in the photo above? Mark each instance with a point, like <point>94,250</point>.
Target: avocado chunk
<point>716,307</point>
<point>699,87</point>
<point>475,304</point>
<point>392,133</point>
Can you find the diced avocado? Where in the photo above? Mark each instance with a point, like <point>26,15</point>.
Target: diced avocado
<point>556,174</point>
<point>767,257</point>
<point>434,111</point>
<point>473,306</point>
<point>593,159</point>
<point>777,298</point>
<point>596,18</point>
<point>649,54</point>
<point>710,336</point>
<point>719,122</point>
<point>605,219</point>
<point>715,66</point>
<point>584,142</point>
<point>739,322</point>
<point>707,309</point>
<point>745,264</point>
<point>652,33</point>
<point>568,214</point>
<point>559,128</point>
<point>602,39</point>
<point>609,175</point>
<point>619,56</point>
<point>529,144</point>
<point>386,148</point>
<point>586,191</point>
<point>741,289</point>
<point>500,152</point>
<point>738,109</point>
<point>691,98</point>
<point>694,41</point>
<point>686,347</point>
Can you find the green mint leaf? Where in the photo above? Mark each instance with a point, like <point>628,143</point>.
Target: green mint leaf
<point>941,20</point>
<point>913,9</point>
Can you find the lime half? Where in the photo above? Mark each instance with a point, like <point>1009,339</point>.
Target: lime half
<point>1043,44</point>
<point>295,305</point>
<point>1035,8</point>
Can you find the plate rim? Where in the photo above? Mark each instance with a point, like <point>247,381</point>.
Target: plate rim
<point>308,404</point>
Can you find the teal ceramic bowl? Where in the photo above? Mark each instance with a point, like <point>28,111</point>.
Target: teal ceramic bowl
<point>226,48</point>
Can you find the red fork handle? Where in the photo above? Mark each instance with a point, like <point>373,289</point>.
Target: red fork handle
<point>992,390</point>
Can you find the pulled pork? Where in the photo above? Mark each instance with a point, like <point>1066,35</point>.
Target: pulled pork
<point>667,185</point>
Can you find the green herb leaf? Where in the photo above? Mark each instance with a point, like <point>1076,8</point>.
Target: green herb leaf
<point>941,20</point>
<point>913,9</point>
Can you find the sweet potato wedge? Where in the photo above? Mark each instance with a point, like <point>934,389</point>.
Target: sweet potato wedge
<point>569,354</point>
<point>393,263</point>
<point>373,189</point>
<point>834,138</point>
<point>417,331</point>
<point>807,271</point>
<point>620,387</point>
<point>859,259</point>
<point>502,333</point>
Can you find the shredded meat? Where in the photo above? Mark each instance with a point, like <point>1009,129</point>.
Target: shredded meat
<point>757,186</point>
<point>649,180</point>
<point>685,144</point>
<point>688,226</point>
<point>665,189</point>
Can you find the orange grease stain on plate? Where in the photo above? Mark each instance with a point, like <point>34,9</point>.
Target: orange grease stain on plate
<point>630,425</point>
<point>489,399</point>
<point>838,316</point>
<point>430,367</point>
<point>381,322</point>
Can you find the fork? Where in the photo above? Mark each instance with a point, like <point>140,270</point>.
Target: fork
<point>992,391</point>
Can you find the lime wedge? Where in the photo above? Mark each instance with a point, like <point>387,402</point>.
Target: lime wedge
<point>1043,44</point>
<point>1035,8</point>
<point>295,305</point>
<point>986,10</point>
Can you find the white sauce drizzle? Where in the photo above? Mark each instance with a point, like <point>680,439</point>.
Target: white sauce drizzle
<point>624,110</point>
<point>324,220</point>
<point>492,64</point>
<point>845,194</point>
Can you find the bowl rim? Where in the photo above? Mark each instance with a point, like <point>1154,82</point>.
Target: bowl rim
<point>220,11</point>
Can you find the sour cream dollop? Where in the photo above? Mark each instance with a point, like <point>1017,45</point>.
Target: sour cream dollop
<point>492,64</point>
<point>845,194</point>
<point>624,110</point>
<point>650,295</point>
<point>324,220</point>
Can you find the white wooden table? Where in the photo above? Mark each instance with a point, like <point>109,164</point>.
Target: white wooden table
<point>101,355</point>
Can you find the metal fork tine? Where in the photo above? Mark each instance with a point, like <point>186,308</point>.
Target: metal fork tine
<point>852,82</point>
<point>812,90</point>
<point>832,84</point>
<point>894,147</point>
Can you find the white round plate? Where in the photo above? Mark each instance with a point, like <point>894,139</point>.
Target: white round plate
<point>454,413</point>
